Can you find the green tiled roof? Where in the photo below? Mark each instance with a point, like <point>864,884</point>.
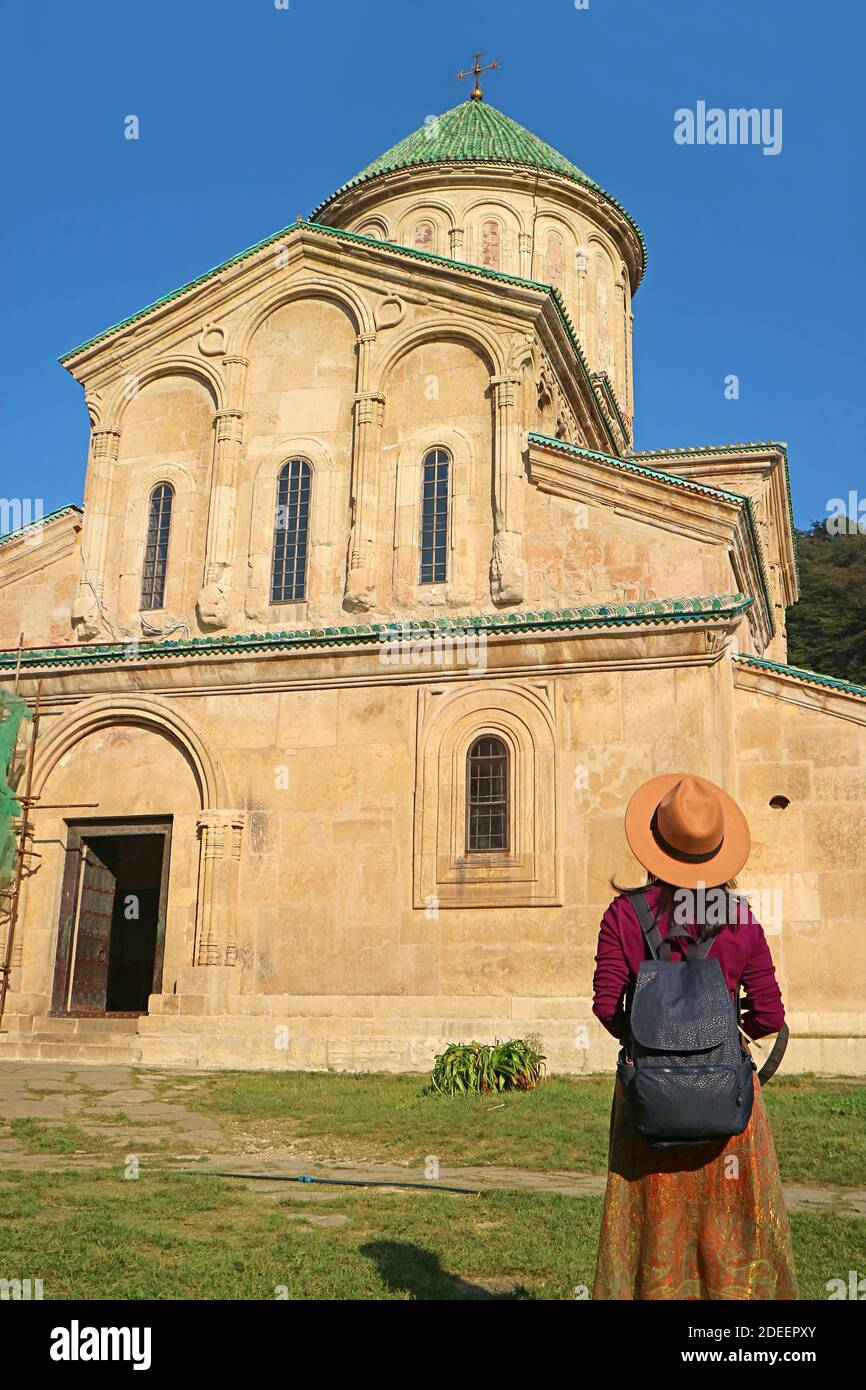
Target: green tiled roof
<point>799,673</point>
<point>597,615</point>
<point>475,132</point>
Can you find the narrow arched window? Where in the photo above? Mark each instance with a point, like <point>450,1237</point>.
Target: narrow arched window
<point>156,549</point>
<point>434,518</point>
<point>291,531</point>
<point>487,795</point>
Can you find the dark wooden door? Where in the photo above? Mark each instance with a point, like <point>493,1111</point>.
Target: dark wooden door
<point>107,864</point>
<point>93,936</point>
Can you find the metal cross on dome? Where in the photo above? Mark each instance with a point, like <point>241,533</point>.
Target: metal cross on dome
<point>476,72</point>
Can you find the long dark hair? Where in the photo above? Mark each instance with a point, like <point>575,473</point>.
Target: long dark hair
<point>667,896</point>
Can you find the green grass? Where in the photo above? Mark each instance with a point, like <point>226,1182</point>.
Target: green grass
<point>93,1235</point>
<point>42,1138</point>
<point>819,1123</point>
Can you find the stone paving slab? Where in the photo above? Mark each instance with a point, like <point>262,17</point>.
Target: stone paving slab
<point>86,1095</point>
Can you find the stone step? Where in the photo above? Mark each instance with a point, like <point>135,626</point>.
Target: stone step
<point>86,1027</point>
<point>36,1047</point>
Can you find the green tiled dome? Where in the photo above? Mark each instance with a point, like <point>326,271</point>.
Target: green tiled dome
<point>473,131</point>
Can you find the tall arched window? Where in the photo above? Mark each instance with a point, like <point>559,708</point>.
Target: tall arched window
<point>434,518</point>
<point>156,549</point>
<point>291,530</point>
<point>487,795</point>
<point>491,244</point>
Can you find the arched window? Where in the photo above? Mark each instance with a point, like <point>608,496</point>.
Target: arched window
<point>491,245</point>
<point>156,550</point>
<point>434,518</point>
<point>291,530</point>
<point>487,795</point>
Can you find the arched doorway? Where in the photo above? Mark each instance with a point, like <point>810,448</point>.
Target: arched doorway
<point>128,870</point>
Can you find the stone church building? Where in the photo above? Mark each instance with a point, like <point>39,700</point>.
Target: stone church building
<point>370,623</point>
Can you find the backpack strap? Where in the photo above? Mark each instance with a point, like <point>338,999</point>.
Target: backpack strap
<point>652,935</point>
<point>771,1066</point>
<point>660,946</point>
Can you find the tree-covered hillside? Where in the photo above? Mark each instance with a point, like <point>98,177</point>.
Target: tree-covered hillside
<point>827,628</point>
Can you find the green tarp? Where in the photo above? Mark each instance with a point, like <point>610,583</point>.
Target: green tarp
<point>12,712</point>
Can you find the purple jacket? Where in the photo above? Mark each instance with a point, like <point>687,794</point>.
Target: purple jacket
<point>741,950</point>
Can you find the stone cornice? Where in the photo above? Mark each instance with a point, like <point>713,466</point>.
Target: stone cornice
<point>702,611</point>
<point>810,689</point>
<point>664,500</point>
<point>703,460</point>
<point>32,548</point>
<point>32,526</point>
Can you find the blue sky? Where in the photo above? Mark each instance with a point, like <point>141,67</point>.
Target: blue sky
<point>250,115</point>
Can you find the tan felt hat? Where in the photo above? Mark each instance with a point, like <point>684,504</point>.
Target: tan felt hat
<point>687,831</point>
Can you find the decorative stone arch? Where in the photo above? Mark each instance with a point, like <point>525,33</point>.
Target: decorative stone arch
<point>450,719</point>
<point>492,200</point>
<point>514,238</point>
<point>472,335</point>
<point>219,827</point>
<point>373,220</point>
<point>338,293</point>
<point>323,518</point>
<point>104,711</point>
<point>432,210</point>
<point>546,221</point>
<point>205,373</point>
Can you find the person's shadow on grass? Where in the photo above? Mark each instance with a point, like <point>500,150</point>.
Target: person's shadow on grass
<point>408,1269</point>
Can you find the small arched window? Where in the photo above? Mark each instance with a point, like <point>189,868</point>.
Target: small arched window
<point>491,245</point>
<point>155,567</point>
<point>487,795</point>
<point>434,518</point>
<point>291,531</point>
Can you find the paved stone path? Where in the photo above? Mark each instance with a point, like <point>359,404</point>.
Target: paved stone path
<point>127,1106</point>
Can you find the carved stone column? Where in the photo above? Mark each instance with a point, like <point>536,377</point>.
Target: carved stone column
<point>581,267</point>
<point>525,244</point>
<point>507,566</point>
<point>104,449</point>
<point>361,576</point>
<point>456,238</point>
<point>216,909</point>
<point>213,600</point>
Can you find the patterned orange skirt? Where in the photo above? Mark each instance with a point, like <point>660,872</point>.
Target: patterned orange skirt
<point>706,1222</point>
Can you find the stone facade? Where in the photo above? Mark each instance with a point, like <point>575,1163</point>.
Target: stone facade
<point>604,614</point>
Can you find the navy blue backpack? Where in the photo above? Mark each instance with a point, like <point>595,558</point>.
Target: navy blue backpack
<point>689,1079</point>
